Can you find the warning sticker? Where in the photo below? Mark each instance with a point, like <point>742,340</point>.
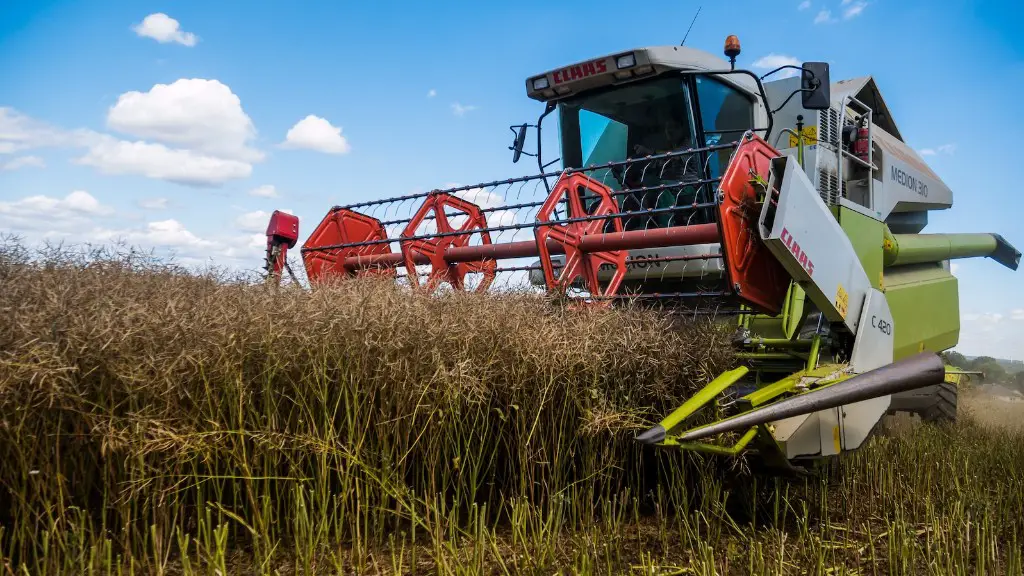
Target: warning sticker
<point>810,134</point>
<point>842,301</point>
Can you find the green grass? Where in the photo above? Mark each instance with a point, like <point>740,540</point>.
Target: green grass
<point>156,422</point>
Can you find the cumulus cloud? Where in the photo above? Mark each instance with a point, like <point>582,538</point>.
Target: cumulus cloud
<point>40,215</point>
<point>23,162</point>
<point>193,113</point>
<point>255,221</point>
<point>824,17</point>
<point>164,29</point>
<point>773,61</point>
<point>1017,314</point>
<point>168,233</point>
<point>461,109</point>
<point>316,133</point>
<point>264,191</point>
<point>192,132</point>
<point>804,5</point>
<point>160,162</point>
<point>79,218</point>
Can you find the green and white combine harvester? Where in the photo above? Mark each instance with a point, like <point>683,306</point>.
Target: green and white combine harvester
<point>791,208</point>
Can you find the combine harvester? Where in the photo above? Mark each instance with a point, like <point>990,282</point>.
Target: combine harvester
<point>699,186</point>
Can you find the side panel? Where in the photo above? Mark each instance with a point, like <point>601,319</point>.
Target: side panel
<point>925,306</point>
<point>799,435</point>
<point>807,240</point>
<point>866,234</point>
<point>872,349</point>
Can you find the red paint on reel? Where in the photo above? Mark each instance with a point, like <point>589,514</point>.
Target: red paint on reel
<point>577,189</point>
<point>444,237</point>
<point>343,226</point>
<point>754,273</point>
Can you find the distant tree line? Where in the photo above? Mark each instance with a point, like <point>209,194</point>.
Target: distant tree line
<point>992,370</point>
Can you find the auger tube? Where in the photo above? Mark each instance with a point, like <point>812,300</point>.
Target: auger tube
<point>924,369</point>
<point>901,249</point>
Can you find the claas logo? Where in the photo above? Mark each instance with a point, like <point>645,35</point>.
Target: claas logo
<point>580,71</point>
<point>799,254</point>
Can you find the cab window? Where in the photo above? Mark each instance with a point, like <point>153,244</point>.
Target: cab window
<point>725,114</point>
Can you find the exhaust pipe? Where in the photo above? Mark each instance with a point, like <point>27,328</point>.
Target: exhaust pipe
<point>924,369</point>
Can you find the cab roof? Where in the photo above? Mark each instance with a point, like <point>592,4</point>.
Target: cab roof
<point>647,62</point>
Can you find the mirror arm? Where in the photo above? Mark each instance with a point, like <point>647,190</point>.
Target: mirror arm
<point>548,109</point>
<point>760,89</point>
<point>790,97</point>
<point>785,66</point>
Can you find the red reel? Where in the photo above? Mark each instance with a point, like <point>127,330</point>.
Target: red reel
<point>448,236</point>
<point>345,226</point>
<point>757,276</point>
<point>578,264</point>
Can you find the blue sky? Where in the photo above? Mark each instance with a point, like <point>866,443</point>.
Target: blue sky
<point>169,131</point>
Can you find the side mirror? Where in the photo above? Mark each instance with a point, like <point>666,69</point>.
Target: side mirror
<point>519,142</point>
<point>815,88</point>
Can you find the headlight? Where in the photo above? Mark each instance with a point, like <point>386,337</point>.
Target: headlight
<point>540,83</point>
<point>626,61</point>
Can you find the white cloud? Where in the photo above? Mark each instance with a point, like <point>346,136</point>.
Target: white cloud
<point>992,334</point>
<point>20,132</point>
<point>43,214</point>
<point>154,203</point>
<point>461,109</point>
<point>79,218</point>
<point>773,61</point>
<point>202,119</point>
<point>479,196</point>
<point>193,113</point>
<point>253,221</point>
<point>945,149</point>
<point>824,17</point>
<point>256,221</point>
<point>316,133</point>
<point>168,232</point>
<point>804,5</point>
<point>113,156</point>
<point>854,9</point>
<point>501,218</point>
<point>264,191</point>
<point>431,93</point>
<point>23,162</point>
<point>164,29</point>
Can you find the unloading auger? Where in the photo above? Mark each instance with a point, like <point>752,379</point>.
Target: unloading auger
<point>676,188</point>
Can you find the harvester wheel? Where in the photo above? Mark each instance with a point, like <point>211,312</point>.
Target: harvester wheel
<point>943,407</point>
<point>932,403</point>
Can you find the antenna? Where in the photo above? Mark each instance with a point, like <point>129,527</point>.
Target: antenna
<point>691,26</point>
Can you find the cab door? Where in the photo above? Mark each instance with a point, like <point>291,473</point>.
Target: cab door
<point>724,114</point>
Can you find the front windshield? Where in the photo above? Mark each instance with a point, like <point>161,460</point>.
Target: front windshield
<point>625,122</point>
<point>634,121</point>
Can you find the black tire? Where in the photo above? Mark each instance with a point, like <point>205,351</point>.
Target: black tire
<point>933,403</point>
<point>944,405</point>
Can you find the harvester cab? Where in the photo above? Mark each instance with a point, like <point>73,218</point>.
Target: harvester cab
<point>701,187</point>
